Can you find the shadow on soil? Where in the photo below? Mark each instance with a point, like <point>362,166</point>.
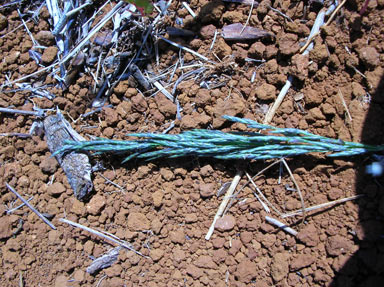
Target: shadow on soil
<point>366,267</point>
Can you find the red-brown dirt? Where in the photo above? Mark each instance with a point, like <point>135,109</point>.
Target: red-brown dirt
<point>165,208</point>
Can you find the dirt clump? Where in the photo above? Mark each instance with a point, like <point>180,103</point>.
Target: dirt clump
<point>163,208</point>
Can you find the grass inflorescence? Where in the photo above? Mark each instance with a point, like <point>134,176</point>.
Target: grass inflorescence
<point>273,143</point>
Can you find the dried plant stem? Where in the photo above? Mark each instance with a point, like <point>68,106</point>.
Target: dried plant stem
<point>70,55</point>
<point>344,104</point>
<point>224,203</point>
<point>113,239</point>
<point>17,207</point>
<point>262,195</point>
<point>22,112</point>
<point>304,50</point>
<point>297,187</point>
<point>185,48</point>
<point>186,6</point>
<point>281,225</point>
<point>323,205</point>
<point>279,100</point>
<point>310,39</point>
<point>249,17</point>
<point>334,13</point>
<point>30,206</point>
<point>246,184</point>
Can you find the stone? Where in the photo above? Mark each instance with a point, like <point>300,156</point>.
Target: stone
<point>231,107</point>
<point>156,225</point>
<point>299,67</point>
<point>78,207</point>
<point>139,103</point>
<point>207,32</point>
<point>12,58</point>
<point>157,198</point>
<point>195,120</point>
<point>315,114</point>
<point>338,245</point>
<point>156,254</point>
<point>61,281</point>
<point>257,50</point>
<point>49,55</point>
<point>115,282</point>
<point>203,97</point>
<point>245,271</point>
<point>288,44</point>
<point>266,92</point>
<point>319,54</point>
<point>166,174</point>
<point>233,16</point>
<point>301,261</point>
<point>369,56</point>
<point>178,255</point>
<point>194,272</point>
<point>207,190</point>
<point>219,255</point>
<point>79,275</point>
<point>309,235</point>
<point>165,106</point>
<point>49,165</point>
<point>177,236</point>
<point>212,11</point>
<point>206,262</point>
<point>312,97</point>
<point>3,22</point>
<point>143,171</point>
<point>190,218</point>
<point>45,38</point>
<point>328,109</point>
<point>96,204</point>
<point>111,116</point>
<point>56,189</point>
<point>218,242</point>
<point>222,49</point>
<point>225,223</point>
<point>5,227</point>
<point>138,221</point>
<point>279,266</point>
<point>246,237</point>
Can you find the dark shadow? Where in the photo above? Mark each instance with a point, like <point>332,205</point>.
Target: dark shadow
<point>366,266</point>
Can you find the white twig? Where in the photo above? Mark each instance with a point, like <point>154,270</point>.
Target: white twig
<point>224,203</point>
<point>319,22</point>
<point>344,104</point>
<point>186,6</point>
<point>78,47</point>
<point>30,206</point>
<point>281,13</point>
<point>214,40</point>
<point>297,186</point>
<point>163,90</point>
<point>323,205</point>
<point>17,207</point>
<point>261,194</point>
<point>249,17</point>
<point>184,48</point>
<point>271,112</point>
<point>281,225</point>
<point>98,233</point>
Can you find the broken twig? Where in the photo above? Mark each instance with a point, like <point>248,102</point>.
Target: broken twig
<point>30,206</point>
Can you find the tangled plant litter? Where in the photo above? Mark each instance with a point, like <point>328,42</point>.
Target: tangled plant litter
<point>273,143</point>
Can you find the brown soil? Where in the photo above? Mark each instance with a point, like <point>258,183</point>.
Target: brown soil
<point>165,208</point>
